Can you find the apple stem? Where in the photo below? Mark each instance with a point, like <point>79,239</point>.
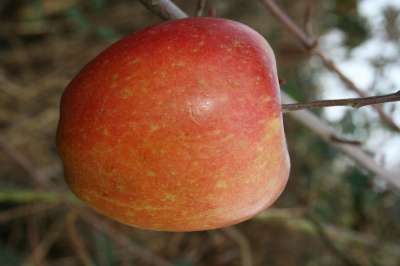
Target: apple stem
<point>352,102</point>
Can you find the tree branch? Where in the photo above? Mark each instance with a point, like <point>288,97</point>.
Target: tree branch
<point>28,196</point>
<point>310,44</point>
<point>23,162</point>
<point>123,240</point>
<point>201,6</point>
<point>40,251</point>
<point>342,237</point>
<point>327,133</point>
<point>77,242</point>
<point>353,102</point>
<point>24,210</point>
<point>164,9</point>
<point>243,243</point>
<point>326,239</point>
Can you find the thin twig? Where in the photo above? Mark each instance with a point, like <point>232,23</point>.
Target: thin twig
<point>29,196</point>
<point>308,17</point>
<point>243,243</point>
<point>23,162</point>
<point>297,221</point>
<point>326,132</point>
<point>24,210</point>
<point>121,239</point>
<point>290,25</point>
<point>310,44</point>
<point>346,141</point>
<point>41,250</point>
<point>33,239</point>
<point>353,102</point>
<point>350,84</point>
<point>346,260</point>
<point>164,9</point>
<point>76,240</point>
<point>201,6</point>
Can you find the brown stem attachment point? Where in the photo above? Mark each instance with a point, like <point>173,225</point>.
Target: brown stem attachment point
<point>352,102</point>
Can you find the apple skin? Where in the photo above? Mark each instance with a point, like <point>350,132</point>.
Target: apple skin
<point>177,127</point>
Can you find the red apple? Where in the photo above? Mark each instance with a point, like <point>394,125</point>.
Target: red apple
<point>177,127</point>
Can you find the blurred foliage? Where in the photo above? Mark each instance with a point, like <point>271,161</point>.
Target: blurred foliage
<point>392,23</point>
<point>344,15</point>
<point>44,43</point>
<point>104,250</point>
<point>347,123</point>
<point>9,257</point>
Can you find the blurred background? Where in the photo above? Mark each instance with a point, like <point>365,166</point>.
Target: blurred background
<point>332,212</point>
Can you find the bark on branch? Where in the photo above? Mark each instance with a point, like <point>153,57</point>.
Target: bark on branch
<point>352,102</point>
<point>310,44</point>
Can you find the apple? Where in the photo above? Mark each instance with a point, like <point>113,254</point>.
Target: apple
<point>177,127</point>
